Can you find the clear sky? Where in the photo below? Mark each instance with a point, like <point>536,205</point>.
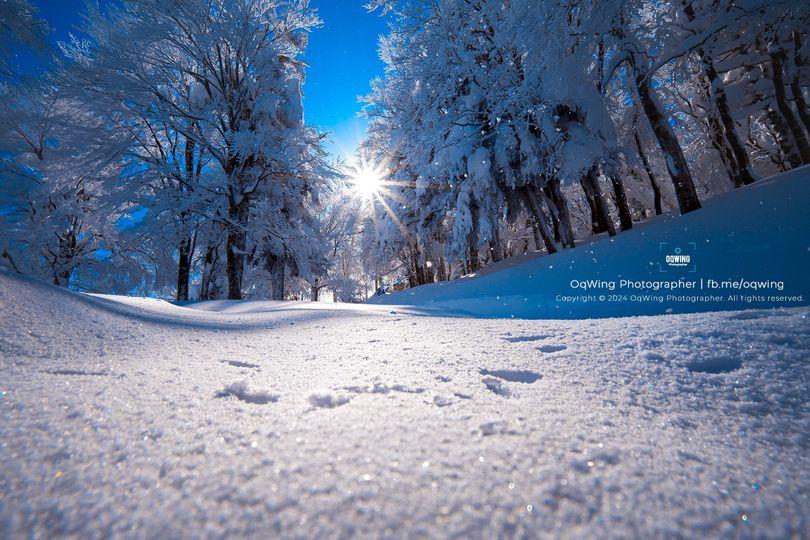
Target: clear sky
<point>342,55</point>
<point>343,60</point>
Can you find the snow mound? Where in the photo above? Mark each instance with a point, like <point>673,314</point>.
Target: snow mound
<point>753,234</point>
<point>240,391</point>
<point>328,400</point>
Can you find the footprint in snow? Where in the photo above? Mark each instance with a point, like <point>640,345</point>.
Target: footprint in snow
<point>495,379</point>
<point>78,372</point>
<point>237,363</point>
<point>496,427</point>
<point>519,339</point>
<point>326,400</point>
<point>654,356</point>
<point>780,339</point>
<point>496,386</point>
<point>551,348</point>
<point>380,388</point>
<point>240,391</point>
<point>716,365</point>
<point>443,401</point>
<point>512,375</point>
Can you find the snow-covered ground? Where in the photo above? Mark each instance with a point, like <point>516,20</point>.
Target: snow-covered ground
<point>753,234</point>
<point>133,417</point>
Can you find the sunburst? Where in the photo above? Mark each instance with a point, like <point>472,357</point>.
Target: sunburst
<point>366,179</point>
<point>372,182</point>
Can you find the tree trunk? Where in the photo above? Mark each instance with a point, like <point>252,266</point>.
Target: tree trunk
<point>495,245</point>
<point>183,268</point>
<point>783,139</point>
<point>719,142</point>
<point>235,262</point>
<point>591,180</point>
<point>745,173</point>
<point>185,249</point>
<point>430,272</point>
<point>625,217</point>
<point>598,225</point>
<point>277,268</point>
<point>536,211</point>
<point>315,291</point>
<point>421,275</point>
<point>63,263</point>
<point>442,271</point>
<point>473,262</point>
<point>801,106</point>
<point>795,85</point>
<point>560,205</point>
<point>677,166</point>
<point>11,264</point>
<point>538,238</point>
<point>742,173</point>
<point>61,278</point>
<point>778,157</point>
<point>555,220</point>
<point>208,282</point>
<point>235,248</point>
<point>777,61</point>
<point>653,182</point>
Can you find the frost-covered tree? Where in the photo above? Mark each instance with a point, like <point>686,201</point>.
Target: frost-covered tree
<point>491,113</point>
<point>484,125</point>
<point>22,31</point>
<point>501,127</point>
<point>58,172</point>
<point>220,81</point>
<point>341,221</point>
<point>762,62</point>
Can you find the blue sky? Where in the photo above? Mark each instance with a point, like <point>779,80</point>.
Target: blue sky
<point>342,55</point>
<point>343,60</point>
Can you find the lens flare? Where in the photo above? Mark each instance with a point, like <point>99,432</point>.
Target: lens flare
<point>366,179</point>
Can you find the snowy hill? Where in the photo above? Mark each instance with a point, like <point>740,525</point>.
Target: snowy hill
<point>135,417</point>
<point>753,234</point>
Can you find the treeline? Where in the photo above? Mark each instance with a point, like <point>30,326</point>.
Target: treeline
<point>164,150</point>
<point>164,146</point>
<point>516,125</point>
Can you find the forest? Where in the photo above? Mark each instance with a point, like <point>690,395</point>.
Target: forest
<point>555,286</point>
<point>163,150</point>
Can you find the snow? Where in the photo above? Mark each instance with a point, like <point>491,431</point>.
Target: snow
<point>240,389</point>
<point>135,417</point>
<point>754,234</point>
<point>327,400</point>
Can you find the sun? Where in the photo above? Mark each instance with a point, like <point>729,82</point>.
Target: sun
<point>366,179</point>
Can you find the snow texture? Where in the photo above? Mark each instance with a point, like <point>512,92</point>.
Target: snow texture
<point>135,417</point>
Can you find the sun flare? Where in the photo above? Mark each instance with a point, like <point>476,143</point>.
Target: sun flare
<point>366,179</point>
